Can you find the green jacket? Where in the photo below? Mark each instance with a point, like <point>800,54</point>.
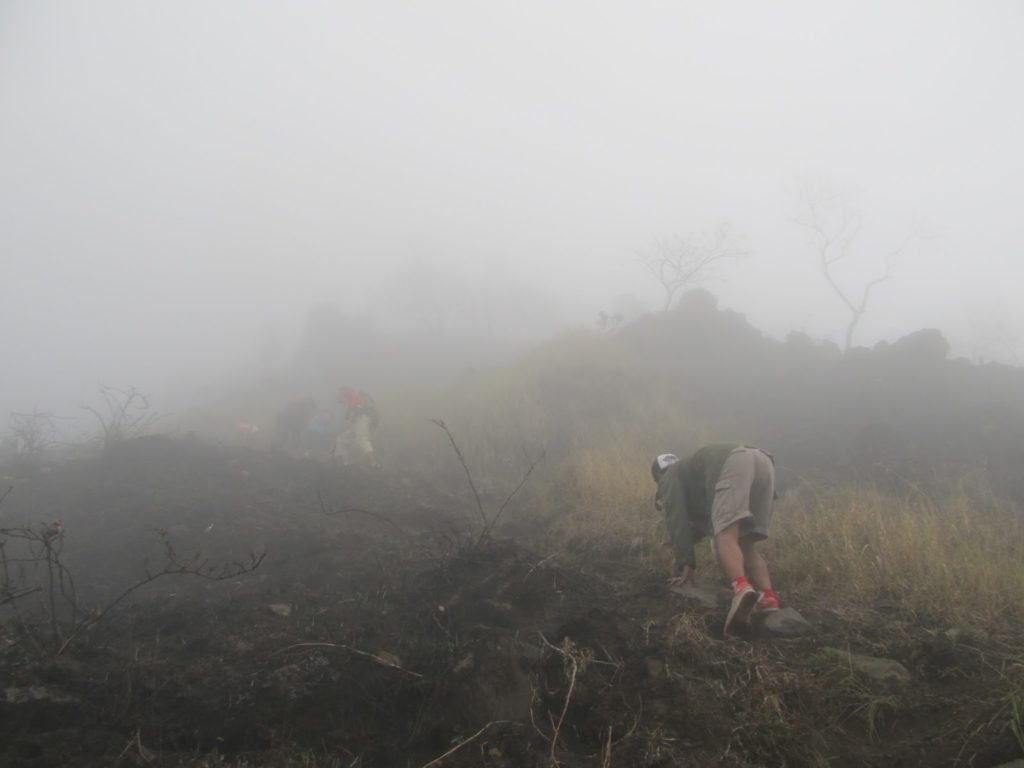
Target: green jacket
<point>686,492</point>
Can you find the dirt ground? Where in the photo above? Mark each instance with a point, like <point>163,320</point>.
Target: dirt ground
<point>378,632</point>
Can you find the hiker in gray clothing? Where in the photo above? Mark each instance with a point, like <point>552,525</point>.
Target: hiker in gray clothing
<point>726,491</point>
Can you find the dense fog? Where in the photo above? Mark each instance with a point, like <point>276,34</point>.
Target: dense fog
<point>409,383</point>
<point>185,187</point>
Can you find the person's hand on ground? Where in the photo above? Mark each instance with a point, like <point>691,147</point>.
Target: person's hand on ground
<point>685,577</point>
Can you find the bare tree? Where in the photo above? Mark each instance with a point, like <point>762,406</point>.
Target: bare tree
<point>125,414</point>
<point>679,263</point>
<point>34,432</point>
<point>32,563</point>
<point>828,217</point>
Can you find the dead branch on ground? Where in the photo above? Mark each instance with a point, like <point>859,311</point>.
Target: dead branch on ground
<point>357,511</point>
<point>384,660</point>
<point>574,661</point>
<point>437,760</point>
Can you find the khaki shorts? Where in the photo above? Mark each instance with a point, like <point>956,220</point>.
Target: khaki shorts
<point>356,441</point>
<point>744,493</point>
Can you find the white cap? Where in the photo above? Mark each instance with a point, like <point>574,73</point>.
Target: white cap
<point>666,460</point>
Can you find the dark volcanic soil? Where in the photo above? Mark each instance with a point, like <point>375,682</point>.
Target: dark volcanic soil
<point>377,632</point>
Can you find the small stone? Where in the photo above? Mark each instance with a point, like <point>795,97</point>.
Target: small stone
<point>785,622</point>
<point>281,609</point>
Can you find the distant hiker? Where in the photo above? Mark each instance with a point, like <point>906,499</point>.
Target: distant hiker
<point>725,490</point>
<point>291,422</point>
<point>319,435</point>
<point>356,441</point>
<point>246,431</point>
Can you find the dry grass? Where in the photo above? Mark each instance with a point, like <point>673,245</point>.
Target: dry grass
<point>952,554</point>
<point>948,557</point>
<point>609,496</point>
<point>953,558</point>
<point>577,390</point>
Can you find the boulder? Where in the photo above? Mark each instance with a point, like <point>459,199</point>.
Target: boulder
<point>881,674</point>
<point>785,622</point>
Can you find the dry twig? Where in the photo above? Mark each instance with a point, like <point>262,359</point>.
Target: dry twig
<point>469,476</point>
<point>356,511</point>
<point>437,760</point>
<point>573,664</point>
<point>386,662</point>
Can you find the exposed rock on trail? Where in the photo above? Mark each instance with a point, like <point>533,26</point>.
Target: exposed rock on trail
<point>785,622</point>
<point>881,674</point>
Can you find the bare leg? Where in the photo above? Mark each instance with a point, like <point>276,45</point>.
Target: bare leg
<point>756,567</point>
<point>730,560</point>
<point>730,556</point>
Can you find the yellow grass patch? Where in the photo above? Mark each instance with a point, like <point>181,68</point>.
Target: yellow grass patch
<point>954,557</point>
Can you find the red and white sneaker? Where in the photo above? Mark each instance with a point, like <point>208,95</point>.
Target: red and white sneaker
<point>742,606</point>
<point>766,603</point>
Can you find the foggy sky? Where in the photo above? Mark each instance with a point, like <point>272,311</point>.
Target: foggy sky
<point>179,179</point>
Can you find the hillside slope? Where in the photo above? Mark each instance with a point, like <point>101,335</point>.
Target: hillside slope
<point>379,632</point>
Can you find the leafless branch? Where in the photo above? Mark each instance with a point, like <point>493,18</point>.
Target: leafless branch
<point>125,414</point>
<point>574,662</point>
<point>522,482</point>
<point>486,524</point>
<point>174,565</point>
<point>42,547</point>
<point>681,263</point>
<point>356,511</point>
<point>469,476</point>
<point>835,230</point>
<point>35,432</point>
